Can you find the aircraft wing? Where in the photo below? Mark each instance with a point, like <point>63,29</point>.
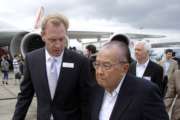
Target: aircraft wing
<point>165,44</point>
<point>13,39</point>
<point>142,36</point>
<point>88,34</point>
<point>6,37</point>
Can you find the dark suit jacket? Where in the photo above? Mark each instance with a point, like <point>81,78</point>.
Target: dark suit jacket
<point>69,101</point>
<point>153,70</point>
<point>138,99</point>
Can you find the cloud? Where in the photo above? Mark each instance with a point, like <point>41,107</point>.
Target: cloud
<point>149,14</point>
<point>142,13</point>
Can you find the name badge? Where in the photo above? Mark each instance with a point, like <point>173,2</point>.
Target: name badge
<point>68,65</point>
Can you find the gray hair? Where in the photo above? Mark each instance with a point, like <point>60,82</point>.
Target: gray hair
<point>121,46</point>
<point>55,19</point>
<point>146,45</point>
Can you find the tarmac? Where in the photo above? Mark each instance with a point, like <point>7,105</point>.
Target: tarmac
<point>8,98</point>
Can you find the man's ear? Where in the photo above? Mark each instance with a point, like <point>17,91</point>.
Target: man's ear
<point>42,36</point>
<point>126,67</point>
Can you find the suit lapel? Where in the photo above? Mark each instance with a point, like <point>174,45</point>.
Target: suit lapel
<point>123,100</point>
<point>148,69</point>
<point>59,86</point>
<point>97,103</point>
<point>44,73</point>
<point>133,71</point>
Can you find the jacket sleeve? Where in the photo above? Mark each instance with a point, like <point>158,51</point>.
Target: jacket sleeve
<point>85,86</point>
<point>154,108</point>
<point>25,96</point>
<point>171,93</point>
<point>159,78</point>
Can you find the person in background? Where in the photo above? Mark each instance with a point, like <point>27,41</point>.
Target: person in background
<point>75,50</point>
<point>176,59</point>
<point>21,63</point>
<point>90,51</point>
<point>16,68</point>
<point>91,54</point>
<point>172,98</point>
<point>5,70</point>
<point>145,67</point>
<point>58,76</point>
<point>169,67</point>
<point>120,95</point>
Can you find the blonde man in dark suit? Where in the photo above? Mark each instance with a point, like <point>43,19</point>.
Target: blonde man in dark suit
<point>59,77</point>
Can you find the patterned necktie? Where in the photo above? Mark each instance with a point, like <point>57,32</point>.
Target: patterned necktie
<point>53,77</point>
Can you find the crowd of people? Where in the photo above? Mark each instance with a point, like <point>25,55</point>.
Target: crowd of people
<point>9,64</point>
<point>104,84</point>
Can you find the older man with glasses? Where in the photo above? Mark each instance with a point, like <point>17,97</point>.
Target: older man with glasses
<point>119,95</point>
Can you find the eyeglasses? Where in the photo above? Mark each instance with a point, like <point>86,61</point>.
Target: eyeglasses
<point>106,66</point>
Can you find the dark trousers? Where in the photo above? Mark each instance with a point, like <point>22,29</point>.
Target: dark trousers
<point>5,73</point>
<point>164,85</point>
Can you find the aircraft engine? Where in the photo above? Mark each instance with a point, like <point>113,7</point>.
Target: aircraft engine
<point>30,42</point>
<point>25,42</point>
<point>16,42</point>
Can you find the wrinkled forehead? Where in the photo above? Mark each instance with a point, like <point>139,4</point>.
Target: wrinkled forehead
<point>107,55</point>
<point>169,53</point>
<point>139,45</point>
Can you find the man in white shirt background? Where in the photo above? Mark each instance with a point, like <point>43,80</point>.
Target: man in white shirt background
<point>16,68</point>
<point>144,67</point>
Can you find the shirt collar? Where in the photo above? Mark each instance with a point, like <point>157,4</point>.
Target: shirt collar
<point>117,89</point>
<point>49,57</point>
<point>168,60</point>
<point>145,64</point>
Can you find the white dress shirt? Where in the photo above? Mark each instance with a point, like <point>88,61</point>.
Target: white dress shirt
<point>16,66</point>
<point>140,68</point>
<point>109,101</point>
<point>58,63</point>
<point>48,65</point>
<point>166,66</point>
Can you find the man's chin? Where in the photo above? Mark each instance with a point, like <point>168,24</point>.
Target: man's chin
<point>56,54</point>
<point>102,84</point>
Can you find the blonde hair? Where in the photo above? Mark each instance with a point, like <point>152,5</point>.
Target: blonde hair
<point>55,19</point>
